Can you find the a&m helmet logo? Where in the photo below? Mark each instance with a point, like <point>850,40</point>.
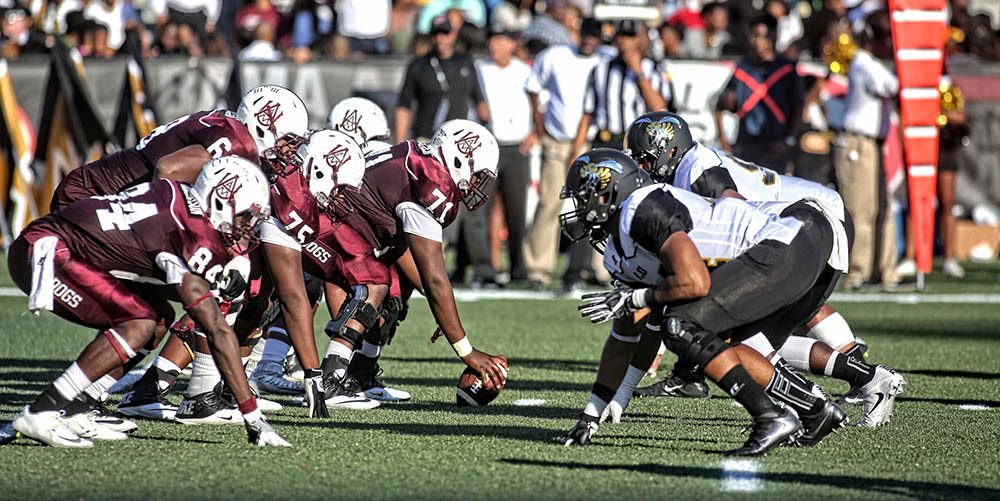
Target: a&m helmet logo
<point>468,143</point>
<point>227,188</point>
<point>268,114</point>
<point>338,156</point>
<point>351,121</point>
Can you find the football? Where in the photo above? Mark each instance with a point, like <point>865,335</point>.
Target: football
<point>471,392</point>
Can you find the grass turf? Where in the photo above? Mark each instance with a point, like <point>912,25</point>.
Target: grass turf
<point>430,448</point>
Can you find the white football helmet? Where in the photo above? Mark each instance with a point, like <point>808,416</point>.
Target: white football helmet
<point>269,112</point>
<point>235,196</point>
<point>471,154</point>
<point>360,118</point>
<point>331,161</point>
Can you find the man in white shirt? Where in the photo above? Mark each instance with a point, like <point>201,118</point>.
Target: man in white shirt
<point>562,71</point>
<point>857,158</point>
<point>503,78</point>
<point>365,23</point>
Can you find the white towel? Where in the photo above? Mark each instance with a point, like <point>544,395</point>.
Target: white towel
<point>43,274</point>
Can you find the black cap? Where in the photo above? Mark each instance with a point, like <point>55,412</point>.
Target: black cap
<point>628,27</point>
<point>440,24</point>
<point>590,27</point>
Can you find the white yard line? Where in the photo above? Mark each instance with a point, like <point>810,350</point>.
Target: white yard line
<point>740,475</point>
<point>529,402</point>
<point>974,407</point>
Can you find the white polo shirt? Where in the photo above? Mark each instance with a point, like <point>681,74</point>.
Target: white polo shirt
<point>564,74</point>
<point>510,109</point>
<point>363,18</point>
<point>870,86</point>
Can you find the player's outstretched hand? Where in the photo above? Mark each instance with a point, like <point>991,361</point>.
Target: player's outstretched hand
<point>259,432</point>
<point>599,307</point>
<point>581,432</point>
<point>316,396</point>
<point>613,412</point>
<point>492,369</point>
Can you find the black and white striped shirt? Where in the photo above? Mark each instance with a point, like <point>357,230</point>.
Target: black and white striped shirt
<point>613,97</point>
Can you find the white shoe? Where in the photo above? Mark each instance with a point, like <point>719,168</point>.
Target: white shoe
<point>265,405</point>
<point>374,388</point>
<point>269,377</point>
<point>87,428</point>
<point>348,395</point>
<point>48,428</point>
<point>906,268</point>
<point>880,395</point>
<point>111,421</point>
<point>952,269</point>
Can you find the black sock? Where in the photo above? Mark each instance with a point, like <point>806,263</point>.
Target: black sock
<point>361,364</point>
<point>739,385</point>
<point>603,392</point>
<point>49,400</point>
<point>853,370</point>
<point>790,388</point>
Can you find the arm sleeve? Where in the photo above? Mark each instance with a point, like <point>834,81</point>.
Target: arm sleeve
<point>712,182</point>
<point>273,232</point>
<point>657,217</point>
<point>419,221</point>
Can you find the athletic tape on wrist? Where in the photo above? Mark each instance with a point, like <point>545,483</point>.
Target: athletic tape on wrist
<point>462,347</point>
<point>639,298</point>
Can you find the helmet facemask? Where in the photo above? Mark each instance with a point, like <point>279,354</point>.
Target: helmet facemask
<point>283,158</point>
<point>239,231</point>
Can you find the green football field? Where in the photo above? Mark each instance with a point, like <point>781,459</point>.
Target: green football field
<point>944,441</point>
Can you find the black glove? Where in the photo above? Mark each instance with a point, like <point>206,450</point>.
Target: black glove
<point>581,432</point>
<point>315,396</point>
<point>599,307</point>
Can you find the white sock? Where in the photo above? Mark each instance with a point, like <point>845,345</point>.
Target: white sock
<point>204,375</point>
<point>338,349</point>
<point>370,350</point>
<point>166,365</point>
<point>796,350</point>
<point>595,407</point>
<point>99,389</point>
<point>275,349</point>
<point>72,382</point>
<point>834,331</point>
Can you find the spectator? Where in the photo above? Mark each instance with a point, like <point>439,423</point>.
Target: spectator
<point>18,36</point>
<point>545,30</point>
<point>262,47</point>
<point>708,40</point>
<point>115,15</point>
<point>199,15</point>
<point>402,23</point>
<point>789,25</point>
<point>560,71</point>
<point>857,157</point>
<point>766,93</point>
<point>818,26</point>
<point>473,11</point>
<point>441,85</point>
<point>365,23</point>
<point>254,14</point>
<point>503,78</point>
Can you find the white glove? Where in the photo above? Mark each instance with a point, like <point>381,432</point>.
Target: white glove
<point>260,432</point>
<point>613,411</point>
<point>599,307</point>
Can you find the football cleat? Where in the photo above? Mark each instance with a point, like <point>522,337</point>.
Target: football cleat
<point>207,408</point>
<point>854,396</point>
<point>673,386</point>
<point>263,404</point>
<point>374,388</point>
<point>8,434</point>
<point>103,416</point>
<point>269,377</point>
<point>766,433</point>
<point>879,396</point>
<point>266,405</point>
<point>293,369</point>
<point>348,395</point>
<point>48,428</point>
<point>145,400</point>
<point>828,420</point>
<point>85,427</point>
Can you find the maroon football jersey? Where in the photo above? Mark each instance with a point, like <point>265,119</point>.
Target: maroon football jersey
<point>218,131</point>
<point>406,173</point>
<point>142,232</point>
<point>340,255</point>
<point>294,205</point>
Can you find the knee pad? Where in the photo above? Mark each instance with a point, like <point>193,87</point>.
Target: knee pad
<point>357,308</point>
<point>351,335</point>
<point>692,344</point>
<point>393,312</point>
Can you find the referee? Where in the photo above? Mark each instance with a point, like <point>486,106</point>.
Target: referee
<point>622,88</point>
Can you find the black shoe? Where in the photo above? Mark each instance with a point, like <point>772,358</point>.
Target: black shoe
<point>148,400</point>
<point>208,408</point>
<point>673,386</point>
<point>828,420</point>
<point>490,283</point>
<point>768,433</point>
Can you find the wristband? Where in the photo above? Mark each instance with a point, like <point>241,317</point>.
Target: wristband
<point>642,298</point>
<point>462,347</point>
<point>248,406</point>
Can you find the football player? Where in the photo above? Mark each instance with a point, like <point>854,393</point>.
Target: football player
<point>364,121</point>
<point>97,263</point>
<point>406,200</point>
<point>661,143</point>
<point>657,238</point>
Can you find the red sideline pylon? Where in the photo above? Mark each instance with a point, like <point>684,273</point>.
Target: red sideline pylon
<point>918,34</point>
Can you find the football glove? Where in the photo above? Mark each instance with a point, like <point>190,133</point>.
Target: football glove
<point>613,411</point>
<point>581,432</point>
<point>599,307</point>
<point>259,432</point>
<point>315,396</point>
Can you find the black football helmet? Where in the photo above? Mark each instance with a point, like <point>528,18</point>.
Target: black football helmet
<point>598,182</point>
<point>658,141</point>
